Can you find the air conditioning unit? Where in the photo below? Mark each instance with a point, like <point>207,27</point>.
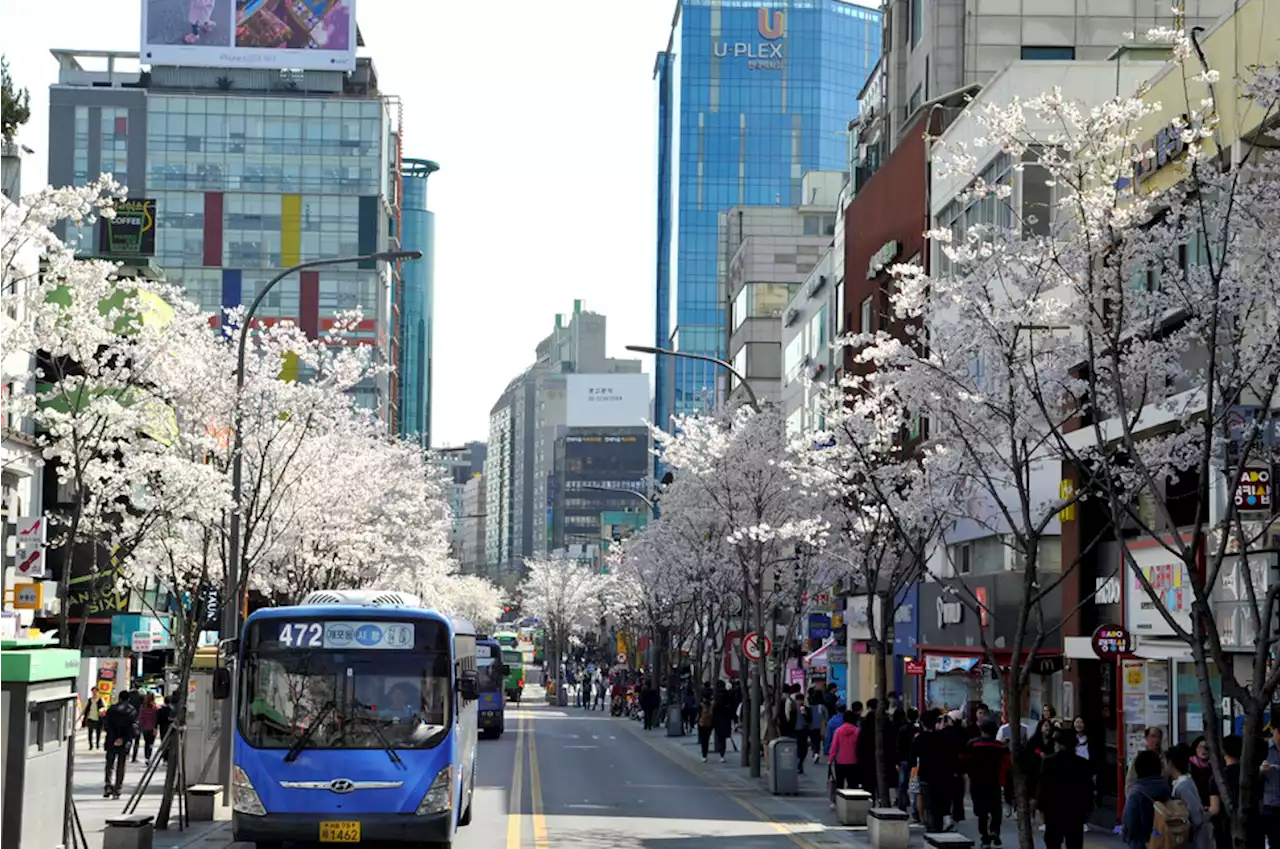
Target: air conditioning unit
<point>816,284</point>
<point>789,317</point>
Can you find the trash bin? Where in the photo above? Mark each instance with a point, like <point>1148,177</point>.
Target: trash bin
<point>784,778</point>
<point>675,721</point>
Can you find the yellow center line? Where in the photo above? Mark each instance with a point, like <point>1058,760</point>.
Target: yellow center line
<point>514,818</point>
<point>535,785</point>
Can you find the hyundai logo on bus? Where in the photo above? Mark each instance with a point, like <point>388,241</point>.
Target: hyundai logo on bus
<point>342,785</point>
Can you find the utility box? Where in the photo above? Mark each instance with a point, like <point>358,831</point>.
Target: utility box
<point>204,719</point>
<point>37,725</point>
<point>675,721</point>
<point>784,773</point>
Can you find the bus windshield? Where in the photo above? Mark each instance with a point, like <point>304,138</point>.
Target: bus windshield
<point>360,699</point>
<point>505,640</point>
<point>488,674</point>
<point>511,657</point>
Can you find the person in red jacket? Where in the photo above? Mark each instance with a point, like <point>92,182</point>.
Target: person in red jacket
<point>844,752</point>
<point>987,763</point>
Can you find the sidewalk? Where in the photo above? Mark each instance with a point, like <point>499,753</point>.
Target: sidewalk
<point>809,815</point>
<point>94,810</point>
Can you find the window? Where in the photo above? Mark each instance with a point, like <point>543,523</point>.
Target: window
<point>867,318</point>
<point>914,103</point>
<point>1041,54</point>
<point>916,24</point>
<point>964,560</point>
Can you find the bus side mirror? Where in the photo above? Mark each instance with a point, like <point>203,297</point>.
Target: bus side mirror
<point>468,687</point>
<point>221,683</point>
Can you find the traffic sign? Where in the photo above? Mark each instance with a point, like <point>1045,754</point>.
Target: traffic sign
<point>754,647</point>
<point>140,641</point>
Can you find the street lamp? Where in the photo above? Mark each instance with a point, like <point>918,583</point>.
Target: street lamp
<point>231,613</point>
<point>648,502</point>
<point>753,401</point>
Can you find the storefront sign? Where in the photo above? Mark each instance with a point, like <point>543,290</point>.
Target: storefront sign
<point>1047,665</point>
<point>888,253</point>
<point>1111,641</point>
<point>1168,577</point>
<point>1166,147</point>
<point>949,613</point>
<point>837,654</point>
<point>1106,590</point>
<point>912,667</point>
<point>1067,490</point>
<point>819,626</point>
<point>765,55</point>
<point>1254,492</point>
<point>943,664</point>
<point>132,232</point>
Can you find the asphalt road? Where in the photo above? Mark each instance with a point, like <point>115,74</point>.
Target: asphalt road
<point>571,779</point>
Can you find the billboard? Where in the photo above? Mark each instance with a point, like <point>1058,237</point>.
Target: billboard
<point>606,400</point>
<point>311,35</point>
<point>133,230</point>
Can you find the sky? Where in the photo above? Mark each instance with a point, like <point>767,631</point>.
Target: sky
<point>542,118</point>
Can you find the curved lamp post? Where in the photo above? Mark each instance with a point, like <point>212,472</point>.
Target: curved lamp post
<point>231,612</point>
<point>753,401</point>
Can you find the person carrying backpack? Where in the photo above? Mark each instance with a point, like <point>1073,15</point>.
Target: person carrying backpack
<point>1149,787</point>
<point>706,724</point>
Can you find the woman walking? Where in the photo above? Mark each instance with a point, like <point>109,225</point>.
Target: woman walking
<point>706,725</point>
<point>147,720</point>
<point>92,720</point>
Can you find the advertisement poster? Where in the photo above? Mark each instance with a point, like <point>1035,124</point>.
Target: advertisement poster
<point>309,35</point>
<point>132,232</point>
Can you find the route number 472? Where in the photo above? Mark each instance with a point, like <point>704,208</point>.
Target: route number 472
<point>302,635</point>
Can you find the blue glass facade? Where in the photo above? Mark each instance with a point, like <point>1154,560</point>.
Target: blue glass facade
<point>751,95</point>
<point>414,368</point>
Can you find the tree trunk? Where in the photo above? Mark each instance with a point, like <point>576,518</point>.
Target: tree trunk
<point>64,580</point>
<point>186,658</point>
<point>882,723</point>
<point>757,684</point>
<point>1026,829</point>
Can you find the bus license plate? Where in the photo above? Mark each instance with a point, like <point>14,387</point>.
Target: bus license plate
<point>340,832</point>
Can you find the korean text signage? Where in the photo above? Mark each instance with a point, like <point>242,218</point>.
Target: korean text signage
<point>606,400</point>
<point>1111,641</point>
<point>310,35</point>
<point>819,626</point>
<point>888,253</point>
<point>1166,147</point>
<point>1168,578</point>
<point>133,230</point>
<point>1254,492</point>
<point>765,54</point>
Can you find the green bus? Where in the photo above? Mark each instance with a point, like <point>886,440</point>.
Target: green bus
<point>514,683</point>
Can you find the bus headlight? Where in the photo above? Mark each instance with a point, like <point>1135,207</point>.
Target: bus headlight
<point>439,796</point>
<point>246,799</point>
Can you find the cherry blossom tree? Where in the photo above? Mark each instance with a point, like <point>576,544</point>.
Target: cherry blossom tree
<point>566,595</point>
<point>1128,338</point>
<point>476,599</point>
<point>875,494</point>
<point>734,466</point>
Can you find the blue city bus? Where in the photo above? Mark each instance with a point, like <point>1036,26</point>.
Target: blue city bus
<point>356,722</point>
<point>489,674</point>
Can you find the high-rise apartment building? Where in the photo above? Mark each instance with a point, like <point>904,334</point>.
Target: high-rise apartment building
<point>573,388</point>
<point>252,171</point>
<point>415,305</point>
<point>750,98</point>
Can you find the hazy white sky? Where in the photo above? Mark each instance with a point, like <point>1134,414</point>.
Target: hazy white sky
<point>542,119</point>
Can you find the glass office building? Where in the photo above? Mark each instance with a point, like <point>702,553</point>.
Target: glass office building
<point>416,304</point>
<point>750,96</point>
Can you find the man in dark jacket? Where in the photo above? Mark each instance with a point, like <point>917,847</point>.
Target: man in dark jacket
<point>1065,797</point>
<point>867,749</point>
<point>935,762</point>
<point>987,765</point>
<point>121,726</point>
<point>1149,786</point>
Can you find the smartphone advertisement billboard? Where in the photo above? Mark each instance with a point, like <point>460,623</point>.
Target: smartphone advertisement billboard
<point>312,35</point>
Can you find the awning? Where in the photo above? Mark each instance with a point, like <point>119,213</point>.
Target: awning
<point>818,657</point>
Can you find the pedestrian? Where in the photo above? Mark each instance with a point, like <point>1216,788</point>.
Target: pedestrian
<point>987,765</point>
<point>689,711</point>
<point>1149,786</point>
<point>1065,797</point>
<point>818,716</point>
<point>1270,770</point>
<point>706,726</point>
<point>954,732</point>
<point>1202,774</point>
<point>165,717</point>
<point>601,687</point>
<point>1154,738</point>
<point>843,756</point>
<point>1231,749</point>
<point>147,727</point>
<point>867,747</point>
<point>800,731</point>
<point>722,711</point>
<point>649,702</point>
<point>1177,765</point>
<point>934,761</point>
<point>121,726</point>
<point>902,747</point>
<point>92,719</point>
<point>1090,747</point>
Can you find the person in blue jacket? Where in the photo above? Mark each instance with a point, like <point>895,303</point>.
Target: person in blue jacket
<point>836,720</point>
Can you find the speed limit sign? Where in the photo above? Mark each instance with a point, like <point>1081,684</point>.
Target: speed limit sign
<point>755,647</point>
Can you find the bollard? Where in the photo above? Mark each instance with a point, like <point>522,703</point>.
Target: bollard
<point>134,831</point>
<point>948,840</point>
<point>888,828</point>
<point>200,801</point>
<point>852,806</point>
